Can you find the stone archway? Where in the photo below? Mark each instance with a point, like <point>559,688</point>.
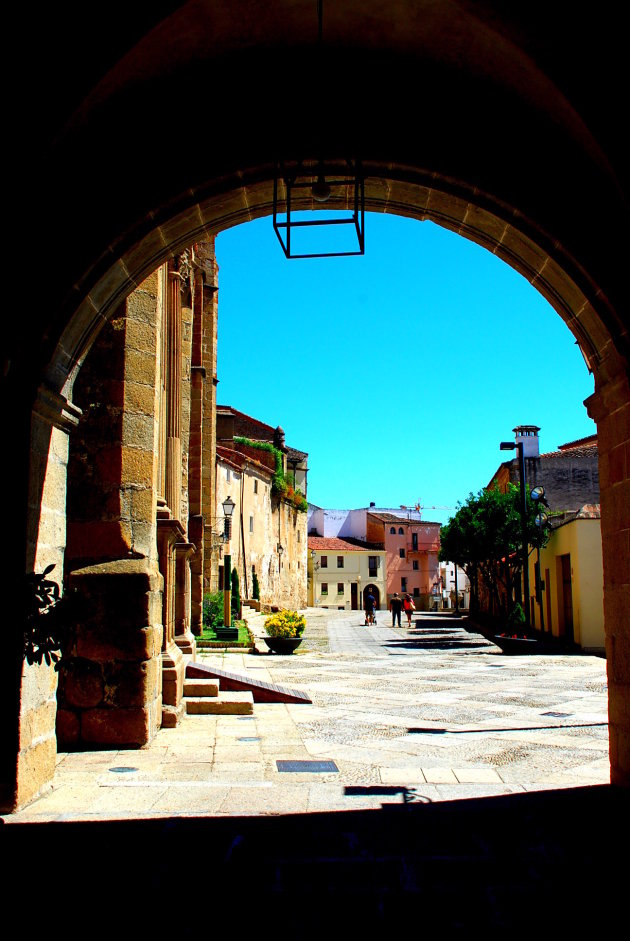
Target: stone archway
<point>458,119</point>
<point>375,592</point>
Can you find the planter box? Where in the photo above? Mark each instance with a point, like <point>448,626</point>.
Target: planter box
<point>284,645</point>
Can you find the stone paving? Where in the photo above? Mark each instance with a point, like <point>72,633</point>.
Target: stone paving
<point>426,714</point>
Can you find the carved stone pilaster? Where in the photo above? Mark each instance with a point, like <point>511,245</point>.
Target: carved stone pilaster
<point>170,532</point>
<point>173,483</point>
<point>184,638</point>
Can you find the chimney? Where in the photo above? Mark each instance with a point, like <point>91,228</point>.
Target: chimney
<point>372,504</point>
<point>528,434</point>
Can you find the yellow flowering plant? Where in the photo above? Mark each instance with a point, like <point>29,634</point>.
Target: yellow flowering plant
<point>285,624</point>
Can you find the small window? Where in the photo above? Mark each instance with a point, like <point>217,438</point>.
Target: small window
<point>401,553</point>
<point>372,565</point>
<point>299,540</point>
<point>416,592</point>
<point>392,530</point>
<point>339,561</point>
<point>403,584</point>
<point>324,588</point>
<point>415,565</point>
<point>414,541</point>
<point>324,562</point>
<point>227,473</point>
<point>255,486</point>
<point>340,588</point>
<point>251,524</point>
<point>401,531</point>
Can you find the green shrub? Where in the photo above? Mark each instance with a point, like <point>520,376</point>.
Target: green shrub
<point>236,594</point>
<point>285,624</point>
<point>213,609</point>
<point>255,587</point>
<point>516,618</point>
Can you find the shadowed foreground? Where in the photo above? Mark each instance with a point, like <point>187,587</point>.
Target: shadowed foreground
<point>538,862</point>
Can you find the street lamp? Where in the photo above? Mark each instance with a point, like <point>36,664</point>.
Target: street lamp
<point>538,497</point>
<point>518,446</point>
<point>228,508</point>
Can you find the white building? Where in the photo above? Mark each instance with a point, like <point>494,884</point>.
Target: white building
<point>341,572</point>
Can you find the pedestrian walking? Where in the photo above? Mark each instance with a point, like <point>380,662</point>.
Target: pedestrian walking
<point>409,607</point>
<point>370,604</point>
<point>395,606</point>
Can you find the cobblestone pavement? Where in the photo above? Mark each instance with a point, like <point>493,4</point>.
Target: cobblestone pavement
<point>429,713</point>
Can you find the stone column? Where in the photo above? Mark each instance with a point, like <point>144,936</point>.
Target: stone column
<point>184,638</point>
<point>610,408</point>
<point>173,484</point>
<point>169,533</point>
<point>209,440</point>
<point>52,421</point>
<point>111,687</point>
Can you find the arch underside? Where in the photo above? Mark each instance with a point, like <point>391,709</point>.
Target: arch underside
<point>568,289</point>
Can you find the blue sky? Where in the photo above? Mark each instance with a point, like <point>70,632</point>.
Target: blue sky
<point>399,371</point>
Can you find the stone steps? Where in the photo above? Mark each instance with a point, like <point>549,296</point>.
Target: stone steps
<point>225,704</point>
<point>201,687</point>
<point>203,697</point>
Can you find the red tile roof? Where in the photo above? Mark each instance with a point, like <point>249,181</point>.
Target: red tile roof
<point>580,442</point>
<point>263,425</point>
<point>588,450</point>
<point>333,543</point>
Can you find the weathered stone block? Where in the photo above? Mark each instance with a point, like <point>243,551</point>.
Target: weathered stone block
<point>142,505</point>
<point>36,767</point>
<point>131,683</point>
<point>141,366</point>
<point>68,728</point>
<point>104,539</point>
<point>81,683</point>
<point>108,464</point>
<point>117,726</point>
<point>137,466</point>
<point>138,431</point>
<point>140,335</point>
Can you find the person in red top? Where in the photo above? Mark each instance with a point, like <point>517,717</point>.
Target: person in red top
<point>409,607</point>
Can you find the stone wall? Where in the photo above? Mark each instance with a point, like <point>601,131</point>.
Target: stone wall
<point>610,408</point>
<point>111,684</point>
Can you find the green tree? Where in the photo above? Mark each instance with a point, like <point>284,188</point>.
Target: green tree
<point>236,595</point>
<point>255,587</point>
<point>213,609</point>
<point>484,537</point>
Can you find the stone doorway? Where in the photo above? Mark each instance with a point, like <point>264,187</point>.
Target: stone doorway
<point>116,217</point>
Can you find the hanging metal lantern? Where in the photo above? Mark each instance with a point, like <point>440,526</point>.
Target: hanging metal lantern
<point>304,185</point>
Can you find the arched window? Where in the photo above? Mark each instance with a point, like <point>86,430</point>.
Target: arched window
<point>401,531</point>
<point>392,530</point>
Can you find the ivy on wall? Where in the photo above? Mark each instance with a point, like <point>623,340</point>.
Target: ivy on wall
<point>281,483</point>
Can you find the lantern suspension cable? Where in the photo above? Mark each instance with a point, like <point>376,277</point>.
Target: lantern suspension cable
<point>295,179</point>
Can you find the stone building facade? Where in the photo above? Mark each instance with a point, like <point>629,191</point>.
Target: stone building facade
<point>138,491</point>
<point>342,572</point>
<point>569,475</point>
<point>268,532</point>
<point>411,547</point>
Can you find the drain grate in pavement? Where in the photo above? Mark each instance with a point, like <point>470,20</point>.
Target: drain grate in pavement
<point>122,770</point>
<point>557,715</point>
<point>312,766</point>
<point>419,730</point>
<point>249,738</point>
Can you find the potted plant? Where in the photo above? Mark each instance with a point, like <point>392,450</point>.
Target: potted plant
<point>514,640</point>
<point>285,629</point>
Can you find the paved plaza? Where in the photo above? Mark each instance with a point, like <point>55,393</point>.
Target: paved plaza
<point>427,714</point>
